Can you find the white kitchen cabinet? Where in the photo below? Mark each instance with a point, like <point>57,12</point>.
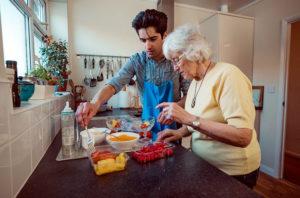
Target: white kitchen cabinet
<point>231,38</point>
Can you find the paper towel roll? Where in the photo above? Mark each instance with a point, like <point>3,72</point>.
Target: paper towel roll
<point>124,99</point>
<point>224,8</point>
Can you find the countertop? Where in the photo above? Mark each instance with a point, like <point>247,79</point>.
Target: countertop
<point>182,175</point>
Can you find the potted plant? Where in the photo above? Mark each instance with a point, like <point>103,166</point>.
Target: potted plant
<point>54,57</point>
<point>42,75</point>
<point>44,82</point>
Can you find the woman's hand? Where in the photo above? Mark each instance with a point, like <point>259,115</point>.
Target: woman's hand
<point>164,120</point>
<point>169,135</point>
<point>172,111</point>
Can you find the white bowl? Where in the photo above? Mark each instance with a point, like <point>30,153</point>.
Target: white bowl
<point>97,134</point>
<point>123,145</point>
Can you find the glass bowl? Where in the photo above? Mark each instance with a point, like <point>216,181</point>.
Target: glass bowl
<point>130,125</point>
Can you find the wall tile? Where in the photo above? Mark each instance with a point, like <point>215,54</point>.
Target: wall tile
<point>51,128</point>
<point>4,134</point>
<point>19,122</point>
<point>4,129</point>
<point>21,161</point>
<point>57,124</point>
<point>45,110</point>
<point>30,132</point>
<point>5,172</point>
<point>4,115</point>
<point>36,144</point>
<point>36,115</point>
<point>52,106</point>
<point>57,103</point>
<point>46,133</point>
<point>57,111</point>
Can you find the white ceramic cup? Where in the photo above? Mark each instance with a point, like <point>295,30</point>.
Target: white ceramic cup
<point>97,134</point>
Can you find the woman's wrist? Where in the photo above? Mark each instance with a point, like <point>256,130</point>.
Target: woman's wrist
<point>190,120</point>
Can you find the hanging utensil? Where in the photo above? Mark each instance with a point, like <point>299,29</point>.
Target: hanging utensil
<point>85,80</point>
<point>102,63</point>
<point>93,63</point>
<point>93,82</point>
<point>100,76</point>
<point>107,69</point>
<point>112,67</point>
<point>120,63</point>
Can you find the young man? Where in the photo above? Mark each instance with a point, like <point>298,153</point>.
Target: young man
<point>156,79</point>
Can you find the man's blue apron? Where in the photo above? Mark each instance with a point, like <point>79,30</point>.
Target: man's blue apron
<point>152,96</point>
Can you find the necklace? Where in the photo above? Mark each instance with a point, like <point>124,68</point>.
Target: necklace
<point>197,91</point>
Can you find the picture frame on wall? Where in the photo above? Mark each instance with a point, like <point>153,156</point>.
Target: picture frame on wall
<point>258,97</point>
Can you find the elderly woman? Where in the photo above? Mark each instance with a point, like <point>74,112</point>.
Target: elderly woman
<point>219,112</point>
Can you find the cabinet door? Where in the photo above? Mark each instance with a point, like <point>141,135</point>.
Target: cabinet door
<point>209,28</point>
<point>236,42</point>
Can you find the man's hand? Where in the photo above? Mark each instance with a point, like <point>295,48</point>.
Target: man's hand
<point>85,112</point>
<point>169,135</point>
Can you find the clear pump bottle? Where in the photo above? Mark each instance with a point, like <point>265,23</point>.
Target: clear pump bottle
<point>67,125</point>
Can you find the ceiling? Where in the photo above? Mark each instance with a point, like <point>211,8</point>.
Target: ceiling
<point>58,1</point>
<point>216,4</point>
<point>209,4</point>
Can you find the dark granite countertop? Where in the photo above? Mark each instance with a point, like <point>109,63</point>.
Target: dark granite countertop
<point>183,175</point>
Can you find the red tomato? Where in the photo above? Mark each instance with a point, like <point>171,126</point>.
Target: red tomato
<point>149,134</point>
<point>141,134</point>
<point>169,152</point>
<point>101,155</point>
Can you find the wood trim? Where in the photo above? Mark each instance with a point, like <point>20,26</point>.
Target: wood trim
<point>261,97</point>
<point>283,71</point>
<point>292,154</point>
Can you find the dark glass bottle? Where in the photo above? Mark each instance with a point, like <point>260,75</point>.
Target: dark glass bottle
<point>15,87</point>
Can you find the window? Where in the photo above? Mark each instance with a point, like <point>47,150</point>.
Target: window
<point>18,34</point>
<point>38,43</point>
<point>14,32</point>
<point>39,9</point>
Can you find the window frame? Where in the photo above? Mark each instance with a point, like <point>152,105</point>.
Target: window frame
<point>41,25</point>
<point>39,35</point>
<point>21,7</point>
<point>32,26</point>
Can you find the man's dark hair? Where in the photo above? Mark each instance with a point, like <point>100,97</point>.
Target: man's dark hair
<point>151,17</point>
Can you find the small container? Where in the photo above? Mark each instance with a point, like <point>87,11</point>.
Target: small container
<point>106,159</point>
<point>98,136</point>
<point>26,90</point>
<point>153,152</point>
<point>68,130</point>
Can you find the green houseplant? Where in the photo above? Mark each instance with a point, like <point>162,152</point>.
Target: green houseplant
<point>54,57</point>
<point>41,73</point>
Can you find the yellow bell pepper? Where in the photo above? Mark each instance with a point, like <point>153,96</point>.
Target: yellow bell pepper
<point>110,165</point>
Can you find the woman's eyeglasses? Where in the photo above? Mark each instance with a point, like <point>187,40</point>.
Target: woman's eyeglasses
<point>176,61</point>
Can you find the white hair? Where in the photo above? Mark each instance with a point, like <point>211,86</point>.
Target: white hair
<point>189,41</point>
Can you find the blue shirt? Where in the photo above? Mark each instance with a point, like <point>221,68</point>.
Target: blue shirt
<point>145,68</point>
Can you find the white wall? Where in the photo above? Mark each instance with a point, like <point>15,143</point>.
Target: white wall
<point>266,71</point>
<point>102,27</point>
<point>58,20</point>
<point>190,14</point>
<point>209,4</point>
<point>2,70</point>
